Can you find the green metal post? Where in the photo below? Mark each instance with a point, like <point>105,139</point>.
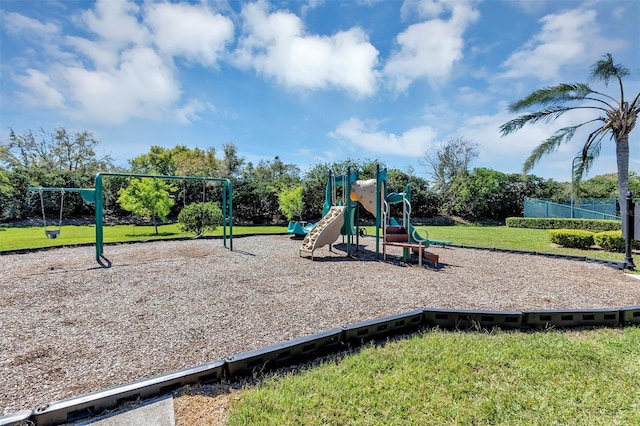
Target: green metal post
<point>224,215</point>
<point>347,211</point>
<point>100,204</point>
<point>230,214</point>
<point>99,217</point>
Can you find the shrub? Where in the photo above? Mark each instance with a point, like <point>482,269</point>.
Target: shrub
<point>200,217</point>
<point>613,241</point>
<point>571,238</point>
<point>610,240</point>
<point>595,225</point>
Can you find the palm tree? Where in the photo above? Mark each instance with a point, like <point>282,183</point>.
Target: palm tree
<point>615,118</point>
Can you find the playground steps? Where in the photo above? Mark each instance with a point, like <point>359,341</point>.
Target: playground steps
<point>322,233</point>
<point>418,249</point>
<point>396,234</point>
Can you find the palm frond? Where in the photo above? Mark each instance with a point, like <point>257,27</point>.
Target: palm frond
<point>545,115</point>
<point>549,145</point>
<point>634,105</point>
<point>604,70</point>
<point>590,151</point>
<point>552,95</point>
<point>578,172</point>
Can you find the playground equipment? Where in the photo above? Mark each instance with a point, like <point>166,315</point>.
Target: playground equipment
<point>95,196</point>
<point>373,196</point>
<point>52,234</point>
<point>339,213</point>
<point>298,228</point>
<point>87,195</point>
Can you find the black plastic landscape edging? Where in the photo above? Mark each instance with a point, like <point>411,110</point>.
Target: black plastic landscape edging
<point>294,351</point>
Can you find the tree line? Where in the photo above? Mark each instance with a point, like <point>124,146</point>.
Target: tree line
<point>61,159</point>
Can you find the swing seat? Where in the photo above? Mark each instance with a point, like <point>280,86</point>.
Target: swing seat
<point>53,234</point>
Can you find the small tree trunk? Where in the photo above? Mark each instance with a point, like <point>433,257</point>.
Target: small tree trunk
<point>622,158</point>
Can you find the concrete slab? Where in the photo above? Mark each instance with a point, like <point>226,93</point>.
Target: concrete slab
<point>156,412</point>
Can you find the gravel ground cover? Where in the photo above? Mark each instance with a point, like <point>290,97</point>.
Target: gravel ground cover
<point>69,327</point>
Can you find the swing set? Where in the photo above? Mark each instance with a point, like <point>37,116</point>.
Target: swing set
<point>87,195</point>
<point>96,196</point>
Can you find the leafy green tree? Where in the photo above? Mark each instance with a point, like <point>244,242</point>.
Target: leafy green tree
<point>256,189</point>
<point>315,181</point>
<point>449,160</point>
<point>231,163</point>
<point>158,160</point>
<point>290,201</point>
<point>6,195</point>
<point>77,152</point>
<point>614,117</point>
<point>489,194</point>
<point>147,197</point>
<point>448,163</point>
<point>197,162</point>
<point>200,218</point>
<point>606,186</point>
<point>424,202</point>
<point>54,151</point>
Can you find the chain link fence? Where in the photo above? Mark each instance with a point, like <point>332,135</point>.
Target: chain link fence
<point>579,209</point>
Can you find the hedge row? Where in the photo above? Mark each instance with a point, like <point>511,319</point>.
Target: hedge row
<point>581,239</point>
<point>594,225</point>
<point>571,238</point>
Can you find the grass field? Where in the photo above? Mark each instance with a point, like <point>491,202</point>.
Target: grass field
<point>443,378</point>
<point>14,238</point>
<point>508,238</point>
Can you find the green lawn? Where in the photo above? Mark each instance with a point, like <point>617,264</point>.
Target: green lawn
<point>509,238</point>
<point>12,238</point>
<point>444,378</point>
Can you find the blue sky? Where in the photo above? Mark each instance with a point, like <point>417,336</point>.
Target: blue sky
<point>309,81</point>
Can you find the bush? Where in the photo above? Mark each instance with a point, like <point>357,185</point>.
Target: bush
<point>571,238</point>
<point>610,240</point>
<point>200,217</point>
<point>595,225</point>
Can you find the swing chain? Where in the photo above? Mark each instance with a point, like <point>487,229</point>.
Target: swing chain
<point>53,233</point>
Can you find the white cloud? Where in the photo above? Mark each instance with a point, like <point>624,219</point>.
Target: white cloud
<point>566,38</point>
<point>140,86</point>
<point>191,111</point>
<point>40,92</point>
<point>430,49</point>
<point>20,25</point>
<point>194,32</point>
<point>276,45</point>
<point>469,96</point>
<point>125,68</point>
<point>365,135</point>
<point>528,6</point>
<point>116,23</point>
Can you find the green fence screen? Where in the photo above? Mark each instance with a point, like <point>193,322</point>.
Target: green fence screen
<point>580,209</point>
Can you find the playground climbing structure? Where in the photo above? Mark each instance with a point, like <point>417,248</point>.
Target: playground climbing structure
<point>341,213</point>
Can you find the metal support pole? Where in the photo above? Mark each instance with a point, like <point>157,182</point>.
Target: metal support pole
<point>628,256</point>
<point>99,218</point>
